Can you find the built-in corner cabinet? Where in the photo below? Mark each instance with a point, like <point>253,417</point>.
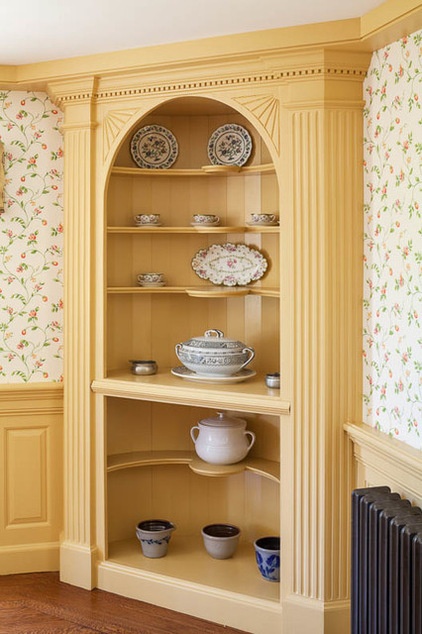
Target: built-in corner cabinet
<point>151,469</point>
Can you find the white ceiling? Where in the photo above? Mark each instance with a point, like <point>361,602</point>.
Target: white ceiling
<point>39,30</point>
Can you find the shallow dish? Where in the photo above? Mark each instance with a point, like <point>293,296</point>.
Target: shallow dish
<point>154,147</point>
<point>229,264</point>
<point>231,144</point>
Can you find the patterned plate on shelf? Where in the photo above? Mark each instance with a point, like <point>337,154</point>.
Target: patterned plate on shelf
<point>153,146</point>
<point>231,144</point>
<point>229,264</point>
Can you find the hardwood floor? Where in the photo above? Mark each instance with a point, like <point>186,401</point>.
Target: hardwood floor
<point>40,604</point>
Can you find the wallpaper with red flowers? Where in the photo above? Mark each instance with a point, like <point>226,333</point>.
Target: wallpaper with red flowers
<point>392,316</point>
<point>31,226</point>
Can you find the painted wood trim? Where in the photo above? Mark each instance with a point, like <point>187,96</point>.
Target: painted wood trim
<point>382,460</point>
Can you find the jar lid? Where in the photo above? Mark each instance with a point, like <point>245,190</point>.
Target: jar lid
<point>223,420</point>
<point>214,340</point>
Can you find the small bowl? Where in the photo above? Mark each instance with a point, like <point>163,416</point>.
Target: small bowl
<point>141,367</point>
<point>220,540</point>
<point>151,279</point>
<point>205,219</point>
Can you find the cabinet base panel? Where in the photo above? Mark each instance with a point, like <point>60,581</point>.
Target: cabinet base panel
<point>227,608</point>
<point>29,558</point>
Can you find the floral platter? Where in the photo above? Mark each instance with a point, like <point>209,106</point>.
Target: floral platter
<point>231,144</point>
<point>229,264</point>
<point>153,146</point>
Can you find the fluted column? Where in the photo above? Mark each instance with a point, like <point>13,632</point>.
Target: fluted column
<point>325,166</point>
<point>77,551</point>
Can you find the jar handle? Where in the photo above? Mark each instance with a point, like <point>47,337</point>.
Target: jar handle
<point>214,331</point>
<point>251,356</point>
<point>253,437</point>
<point>192,434</point>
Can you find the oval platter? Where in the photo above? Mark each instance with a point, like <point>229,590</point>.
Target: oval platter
<point>154,147</point>
<point>229,264</point>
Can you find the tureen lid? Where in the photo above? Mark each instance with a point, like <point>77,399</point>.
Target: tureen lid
<point>223,420</point>
<point>214,340</point>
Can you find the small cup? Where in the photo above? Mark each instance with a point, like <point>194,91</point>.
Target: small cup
<point>141,367</point>
<point>220,540</point>
<point>151,279</point>
<point>147,219</point>
<point>264,219</point>
<point>267,554</point>
<point>205,219</point>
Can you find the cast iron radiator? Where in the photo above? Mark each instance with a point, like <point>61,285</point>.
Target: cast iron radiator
<point>386,563</point>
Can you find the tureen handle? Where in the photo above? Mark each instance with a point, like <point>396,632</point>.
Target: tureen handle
<point>251,356</point>
<point>214,332</point>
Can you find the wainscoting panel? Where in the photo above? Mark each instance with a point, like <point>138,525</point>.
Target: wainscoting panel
<point>31,466</point>
<point>380,460</point>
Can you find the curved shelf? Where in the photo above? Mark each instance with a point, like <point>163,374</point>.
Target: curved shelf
<point>204,171</point>
<point>265,468</point>
<point>191,230</point>
<point>199,291</point>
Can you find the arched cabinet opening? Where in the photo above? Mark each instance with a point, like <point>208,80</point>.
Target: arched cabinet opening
<point>151,468</point>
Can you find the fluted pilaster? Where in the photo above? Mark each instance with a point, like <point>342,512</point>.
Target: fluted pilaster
<point>77,547</point>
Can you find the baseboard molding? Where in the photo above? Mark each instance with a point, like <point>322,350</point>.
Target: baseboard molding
<point>29,558</point>
<point>78,565</point>
<point>303,614</point>
<point>381,460</point>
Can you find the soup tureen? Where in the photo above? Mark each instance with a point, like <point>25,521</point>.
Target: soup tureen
<point>214,354</point>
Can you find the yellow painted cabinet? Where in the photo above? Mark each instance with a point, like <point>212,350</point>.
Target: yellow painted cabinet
<point>151,469</point>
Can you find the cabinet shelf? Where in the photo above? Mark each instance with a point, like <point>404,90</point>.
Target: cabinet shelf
<point>150,230</point>
<point>187,561</point>
<point>266,468</point>
<point>266,168</point>
<point>199,291</point>
<point>250,396</point>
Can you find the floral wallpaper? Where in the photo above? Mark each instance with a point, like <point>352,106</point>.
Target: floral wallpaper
<point>31,271</point>
<point>392,316</point>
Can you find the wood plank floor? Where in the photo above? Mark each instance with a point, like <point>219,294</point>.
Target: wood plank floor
<point>40,604</point>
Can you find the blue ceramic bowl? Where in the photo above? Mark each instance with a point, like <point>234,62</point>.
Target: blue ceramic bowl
<point>267,554</point>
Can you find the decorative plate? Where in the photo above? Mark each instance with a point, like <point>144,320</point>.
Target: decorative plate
<point>229,264</point>
<point>153,146</point>
<point>231,144</point>
<point>184,373</point>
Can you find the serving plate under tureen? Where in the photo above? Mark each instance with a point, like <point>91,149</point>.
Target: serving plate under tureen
<point>184,373</point>
<point>154,147</point>
<point>229,264</point>
<point>230,144</point>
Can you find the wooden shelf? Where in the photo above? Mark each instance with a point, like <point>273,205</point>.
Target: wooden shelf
<point>200,292</point>
<point>187,561</point>
<point>150,230</point>
<point>267,168</point>
<point>249,396</point>
<point>266,468</point>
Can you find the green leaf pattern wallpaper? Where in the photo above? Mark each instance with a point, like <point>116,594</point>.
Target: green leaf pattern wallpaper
<point>392,311</point>
<point>31,226</point>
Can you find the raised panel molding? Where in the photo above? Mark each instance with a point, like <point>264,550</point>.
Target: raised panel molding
<point>31,423</point>
<point>26,476</point>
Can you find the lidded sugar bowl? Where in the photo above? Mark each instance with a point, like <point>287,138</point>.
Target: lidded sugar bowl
<point>214,354</point>
<point>222,439</point>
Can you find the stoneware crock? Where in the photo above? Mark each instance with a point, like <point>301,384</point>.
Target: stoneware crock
<point>222,439</point>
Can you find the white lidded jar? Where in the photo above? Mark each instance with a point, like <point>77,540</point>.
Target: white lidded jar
<point>222,439</point>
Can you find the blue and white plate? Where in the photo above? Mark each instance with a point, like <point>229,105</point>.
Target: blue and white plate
<point>231,144</point>
<point>154,147</point>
